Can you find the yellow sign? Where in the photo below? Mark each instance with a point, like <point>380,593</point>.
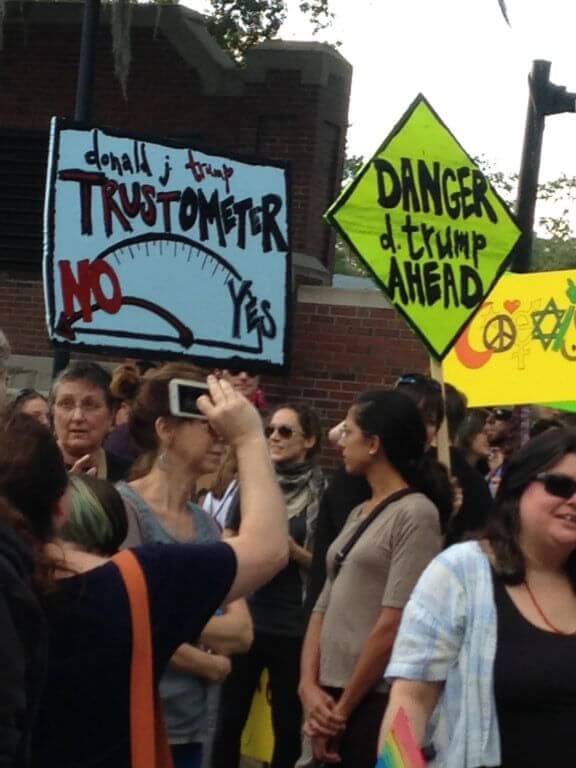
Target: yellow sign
<point>258,734</point>
<point>520,348</point>
<point>426,221</point>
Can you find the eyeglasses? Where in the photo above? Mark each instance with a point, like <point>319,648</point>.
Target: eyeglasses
<point>562,486</point>
<point>85,406</point>
<point>284,431</point>
<point>418,378</point>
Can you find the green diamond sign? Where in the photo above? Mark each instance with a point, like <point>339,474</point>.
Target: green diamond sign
<point>426,221</point>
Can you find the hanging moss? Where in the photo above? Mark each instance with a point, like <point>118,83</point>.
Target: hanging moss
<point>121,44</point>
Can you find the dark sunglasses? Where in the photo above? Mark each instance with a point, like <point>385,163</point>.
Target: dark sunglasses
<point>501,414</point>
<point>283,431</point>
<point>562,486</point>
<point>238,371</point>
<point>418,378</point>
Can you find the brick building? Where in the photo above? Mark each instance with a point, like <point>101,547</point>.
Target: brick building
<point>359,342</point>
<point>289,102</point>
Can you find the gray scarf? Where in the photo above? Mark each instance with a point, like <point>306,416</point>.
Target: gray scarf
<point>302,486</point>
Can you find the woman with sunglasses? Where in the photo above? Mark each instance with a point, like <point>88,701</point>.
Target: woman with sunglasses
<point>294,435</point>
<point>160,510</point>
<point>248,384</point>
<point>483,664</point>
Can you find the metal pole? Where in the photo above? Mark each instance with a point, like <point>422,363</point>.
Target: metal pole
<point>83,106</point>
<point>530,165</point>
<point>87,64</point>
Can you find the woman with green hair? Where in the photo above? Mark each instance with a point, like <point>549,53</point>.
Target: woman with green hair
<point>97,521</point>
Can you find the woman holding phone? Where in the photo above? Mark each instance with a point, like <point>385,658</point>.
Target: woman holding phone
<point>84,713</point>
<point>179,445</point>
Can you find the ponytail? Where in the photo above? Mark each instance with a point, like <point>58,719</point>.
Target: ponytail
<point>396,420</point>
<point>431,478</point>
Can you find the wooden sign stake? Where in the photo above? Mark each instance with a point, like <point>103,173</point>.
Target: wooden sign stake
<point>442,438</point>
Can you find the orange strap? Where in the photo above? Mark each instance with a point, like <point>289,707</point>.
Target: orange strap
<point>148,737</point>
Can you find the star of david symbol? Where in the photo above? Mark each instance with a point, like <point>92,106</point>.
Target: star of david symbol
<point>551,310</point>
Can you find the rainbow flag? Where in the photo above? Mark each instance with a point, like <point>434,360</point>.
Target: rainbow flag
<point>400,749</point>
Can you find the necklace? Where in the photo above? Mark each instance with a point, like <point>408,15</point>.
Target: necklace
<point>543,616</point>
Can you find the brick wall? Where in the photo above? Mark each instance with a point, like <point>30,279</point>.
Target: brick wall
<point>22,316</point>
<point>341,349</point>
<point>343,342</point>
<point>289,103</point>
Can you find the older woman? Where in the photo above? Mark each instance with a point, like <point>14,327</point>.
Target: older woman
<point>294,435</point>
<point>484,660</point>
<point>83,412</point>
<point>84,714</point>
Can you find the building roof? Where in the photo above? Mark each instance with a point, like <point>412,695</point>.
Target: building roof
<point>186,30</point>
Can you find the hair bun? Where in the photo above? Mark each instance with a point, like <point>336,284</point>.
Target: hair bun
<point>126,382</point>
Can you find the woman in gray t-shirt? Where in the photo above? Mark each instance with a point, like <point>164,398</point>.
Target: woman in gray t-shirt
<point>355,620</point>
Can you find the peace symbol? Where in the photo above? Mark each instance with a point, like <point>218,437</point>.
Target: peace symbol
<point>499,334</point>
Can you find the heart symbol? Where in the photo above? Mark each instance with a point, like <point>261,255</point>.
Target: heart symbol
<point>511,306</point>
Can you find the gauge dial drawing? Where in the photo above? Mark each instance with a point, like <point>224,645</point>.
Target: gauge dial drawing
<point>211,282</point>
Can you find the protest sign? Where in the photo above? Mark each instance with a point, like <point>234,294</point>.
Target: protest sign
<point>521,346</point>
<point>155,248</point>
<point>258,734</point>
<point>568,407</point>
<point>426,221</point>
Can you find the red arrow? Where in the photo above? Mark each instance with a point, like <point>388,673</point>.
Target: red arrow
<point>185,336</point>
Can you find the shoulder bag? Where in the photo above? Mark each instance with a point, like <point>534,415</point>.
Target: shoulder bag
<point>149,745</point>
<point>343,553</point>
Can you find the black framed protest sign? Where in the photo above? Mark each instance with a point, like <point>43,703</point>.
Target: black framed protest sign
<point>152,248</point>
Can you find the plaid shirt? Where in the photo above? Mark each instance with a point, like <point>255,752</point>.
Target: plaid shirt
<point>448,634</point>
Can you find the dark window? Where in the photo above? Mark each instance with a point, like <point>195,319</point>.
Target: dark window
<point>23,161</point>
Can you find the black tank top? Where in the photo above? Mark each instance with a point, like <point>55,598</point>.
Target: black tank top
<point>535,688</point>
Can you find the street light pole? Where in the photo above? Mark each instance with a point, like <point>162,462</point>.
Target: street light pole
<point>530,164</point>
<point>83,107</point>
<point>544,99</point>
<point>87,63</point>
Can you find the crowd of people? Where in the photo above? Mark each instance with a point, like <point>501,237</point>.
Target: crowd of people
<point>391,581</point>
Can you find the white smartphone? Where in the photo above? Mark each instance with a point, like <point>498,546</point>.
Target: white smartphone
<point>183,395</point>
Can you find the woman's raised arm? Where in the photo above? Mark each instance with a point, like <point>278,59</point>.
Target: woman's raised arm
<point>261,545</point>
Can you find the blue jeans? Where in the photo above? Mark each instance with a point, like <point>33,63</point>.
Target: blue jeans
<point>187,755</point>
